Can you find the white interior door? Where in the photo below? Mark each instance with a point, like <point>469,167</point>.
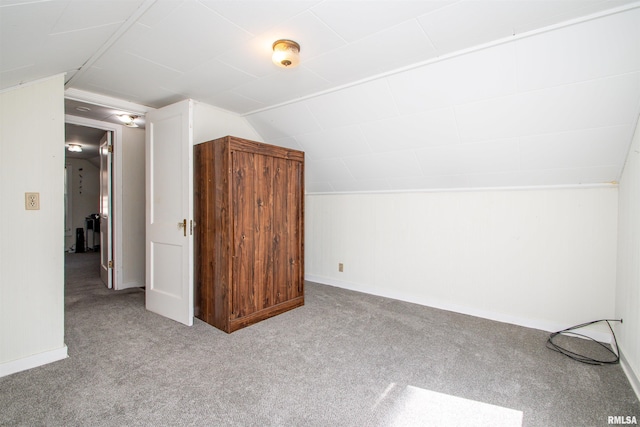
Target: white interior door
<point>106,218</point>
<point>169,198</point>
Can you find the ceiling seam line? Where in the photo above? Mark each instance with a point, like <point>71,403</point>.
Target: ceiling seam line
<point>78,30</point>
<point>624,165</point>
<point>111,41</point>
<point>328,26</point>
<point>455,54</point>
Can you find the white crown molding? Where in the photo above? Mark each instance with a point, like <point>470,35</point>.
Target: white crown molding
<point>106,101</point>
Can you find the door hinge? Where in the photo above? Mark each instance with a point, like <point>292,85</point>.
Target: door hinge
<point>111,264</point>
<point>110,148</point>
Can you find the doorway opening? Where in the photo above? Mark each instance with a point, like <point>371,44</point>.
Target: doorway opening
<point>88,198</point>
<point>125,237</point>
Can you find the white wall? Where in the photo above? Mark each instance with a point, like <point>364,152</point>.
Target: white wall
<point>133,205</point>
<point>211,123</point>
<point>628,286</point>
<point>31,255</point>
<point>539,258</point>
<point>85,198</point>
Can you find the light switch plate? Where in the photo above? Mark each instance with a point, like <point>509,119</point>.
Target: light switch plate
<point>32,201</point>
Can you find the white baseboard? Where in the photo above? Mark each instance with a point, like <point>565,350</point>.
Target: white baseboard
<point>633,378</point>
<point>549,326</point>
<point>34,361</point>
<point>129,285</point>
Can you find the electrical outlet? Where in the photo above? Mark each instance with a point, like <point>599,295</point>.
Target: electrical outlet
<point>340,267</point>
<point>32,201</point>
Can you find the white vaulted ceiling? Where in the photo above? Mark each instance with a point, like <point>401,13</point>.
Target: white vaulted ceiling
<point>390,95</point>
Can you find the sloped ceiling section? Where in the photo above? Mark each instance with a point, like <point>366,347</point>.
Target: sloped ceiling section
<point>390,95</point>
<point>557,108</point>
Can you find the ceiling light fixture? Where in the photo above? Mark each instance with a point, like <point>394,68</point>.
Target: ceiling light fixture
<point>128,120</point>
<point>74,148</point>
<point>286,53</point>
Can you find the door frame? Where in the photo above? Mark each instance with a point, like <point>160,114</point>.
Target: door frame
<point>116,189</point>
<point>106,221</point>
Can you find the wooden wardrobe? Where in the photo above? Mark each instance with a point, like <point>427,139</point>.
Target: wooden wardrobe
<point>249,214</point>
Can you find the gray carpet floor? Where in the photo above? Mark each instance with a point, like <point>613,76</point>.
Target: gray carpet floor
<point>343,359</point>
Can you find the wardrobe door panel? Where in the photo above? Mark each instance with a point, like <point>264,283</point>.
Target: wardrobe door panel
<point>295,279</point>
<point>243,188</point>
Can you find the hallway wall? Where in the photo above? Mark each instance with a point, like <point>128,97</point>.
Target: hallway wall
<point>85,198</point>
<point>31,260</point>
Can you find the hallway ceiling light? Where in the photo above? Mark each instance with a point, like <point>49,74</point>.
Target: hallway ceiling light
<point>74,148</point>
<point>286,53</point>
<point>128,120</point>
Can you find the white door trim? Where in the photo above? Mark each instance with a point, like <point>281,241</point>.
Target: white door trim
<point>106,220</point>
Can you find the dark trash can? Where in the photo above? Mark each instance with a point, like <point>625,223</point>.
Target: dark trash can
<point>79,240</point>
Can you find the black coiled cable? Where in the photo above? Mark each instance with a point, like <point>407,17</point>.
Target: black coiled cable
<point>580,357</point>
